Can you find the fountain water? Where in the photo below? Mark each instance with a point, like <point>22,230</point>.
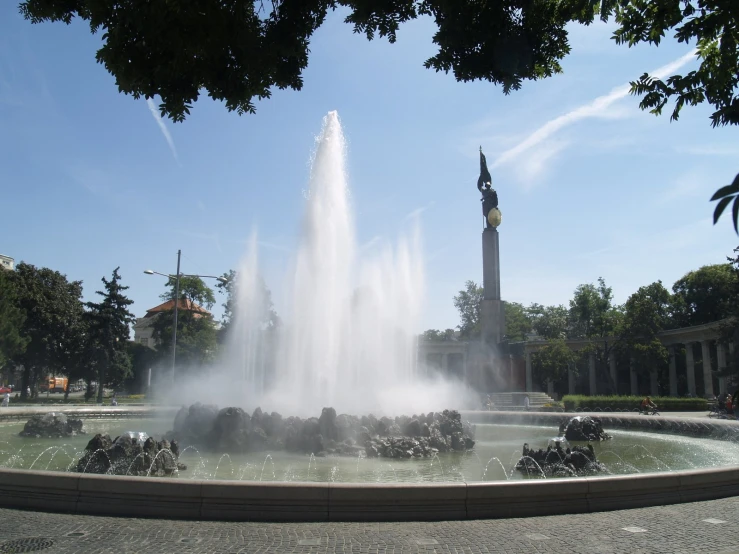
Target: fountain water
<point>352,317</point>
<point>268,457</point>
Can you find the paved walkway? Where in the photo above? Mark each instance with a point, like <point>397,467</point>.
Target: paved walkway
<point>683,528</point>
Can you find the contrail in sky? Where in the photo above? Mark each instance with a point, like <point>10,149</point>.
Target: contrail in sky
<point>155,114</point>
<point>596,108</point>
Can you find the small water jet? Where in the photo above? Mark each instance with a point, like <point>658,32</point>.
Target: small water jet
<point>269,457</point>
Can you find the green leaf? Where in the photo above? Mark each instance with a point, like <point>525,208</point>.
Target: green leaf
<point>727,190</point>
<point>720,208</point>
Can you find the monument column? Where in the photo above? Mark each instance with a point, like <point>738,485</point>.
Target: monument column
<point>571,378</point>
<point>673,370</point>
<point>707,374</point>
<point>613,371</point>
<point>690,367</point>
<point>591,373</point>
<point>721,364</point>
<point>492,328</point>
<point>529,373</point>
<point>653,383</point>
<point>492,315</point>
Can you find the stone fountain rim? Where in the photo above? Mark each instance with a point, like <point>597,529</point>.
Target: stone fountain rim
<point>270,501</point>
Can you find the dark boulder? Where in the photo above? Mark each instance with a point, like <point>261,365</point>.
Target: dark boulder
<point>558,462</point>
<point>128,454</point>
<point>52,425</point>
<point>583,428</point>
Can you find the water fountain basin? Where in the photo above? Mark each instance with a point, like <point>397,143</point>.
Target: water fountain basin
<point>327,501</point>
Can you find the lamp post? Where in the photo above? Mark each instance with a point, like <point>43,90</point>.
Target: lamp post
<point>176,278</point>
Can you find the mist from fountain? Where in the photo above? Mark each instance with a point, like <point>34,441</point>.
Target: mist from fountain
<point>349,334</point>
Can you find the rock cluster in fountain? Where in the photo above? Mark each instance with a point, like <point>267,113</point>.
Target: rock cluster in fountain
<point>583,428</point>
<point>233,430</point>
<point>52,425</point>
<point>130,454</point>
<point>558,462</point>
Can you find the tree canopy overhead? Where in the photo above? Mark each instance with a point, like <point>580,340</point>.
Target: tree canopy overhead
<point>238,50</point>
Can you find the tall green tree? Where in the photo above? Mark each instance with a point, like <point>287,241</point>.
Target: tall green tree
<point>593,316</point>
<point>704,295</point>
<point>12,341</point>
<point>108,332</point>
<point>729,329</point>
<point>517,321</point>
<point>549,322</point>
<point>268,318</point>
<point>592,313</point>
<point>469,305</point>
<point>192,289</point>
<point>434,335</point>
<point>553,361</point>
<point>646,314</point>
<point>196,330</point>
<point>53,325</point>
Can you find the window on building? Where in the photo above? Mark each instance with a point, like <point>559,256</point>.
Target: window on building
<point>145,342</point>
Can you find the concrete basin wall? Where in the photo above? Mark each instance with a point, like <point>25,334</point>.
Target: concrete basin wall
<point>248,501</point>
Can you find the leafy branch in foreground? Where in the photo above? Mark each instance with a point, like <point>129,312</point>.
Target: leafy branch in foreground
<point>725,195</point>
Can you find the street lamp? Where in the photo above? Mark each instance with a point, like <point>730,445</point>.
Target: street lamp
<point>176,277</point>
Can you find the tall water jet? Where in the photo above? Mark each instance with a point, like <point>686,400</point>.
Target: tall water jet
<point>352,316</point>
<point>248,343</point>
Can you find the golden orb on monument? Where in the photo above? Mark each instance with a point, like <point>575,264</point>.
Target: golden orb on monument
<point>494,217</point>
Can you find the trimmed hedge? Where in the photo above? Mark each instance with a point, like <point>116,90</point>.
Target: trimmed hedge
<point>573,402</point>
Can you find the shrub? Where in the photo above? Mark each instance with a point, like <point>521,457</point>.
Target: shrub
<point>605,403</point>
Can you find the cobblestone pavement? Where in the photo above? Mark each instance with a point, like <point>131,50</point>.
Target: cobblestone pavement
<point>711,526</point>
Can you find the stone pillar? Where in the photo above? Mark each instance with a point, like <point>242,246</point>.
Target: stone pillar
<point>492,316</point>
<point>571,379</point>
<point>529,373</point>
<point>673,371</point>
<point>510,368</point>
<point>633,380</point>
<point>690,367</point>
<point>653,383</point>
<point>721,364</point>
<point>707,375</point>
<point>591,373</point>
<point>550,388</point>
<point>613,371</point>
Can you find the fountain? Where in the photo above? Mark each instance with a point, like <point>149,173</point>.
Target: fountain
<point>352,314</point>
<point>349,342</point>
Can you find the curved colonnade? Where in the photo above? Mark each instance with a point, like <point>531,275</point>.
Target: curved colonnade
<point>285,501</point>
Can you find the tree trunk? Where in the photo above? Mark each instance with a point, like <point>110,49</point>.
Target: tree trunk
<point>101,381</point>
<point>25,382</point>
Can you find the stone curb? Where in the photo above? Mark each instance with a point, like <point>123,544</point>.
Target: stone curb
<point>225,500</point>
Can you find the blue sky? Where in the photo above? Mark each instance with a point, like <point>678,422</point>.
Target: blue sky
<point>589,186</point>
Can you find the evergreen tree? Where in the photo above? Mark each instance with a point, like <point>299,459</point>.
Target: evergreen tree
<point>107,333</point>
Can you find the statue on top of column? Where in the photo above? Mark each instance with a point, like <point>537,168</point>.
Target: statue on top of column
<point>489,196</point>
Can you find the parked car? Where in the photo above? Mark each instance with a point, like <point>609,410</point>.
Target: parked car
<point>3,389</point>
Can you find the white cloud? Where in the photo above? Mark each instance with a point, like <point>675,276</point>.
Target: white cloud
<point>601,107</point>
<point>163,128</point>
